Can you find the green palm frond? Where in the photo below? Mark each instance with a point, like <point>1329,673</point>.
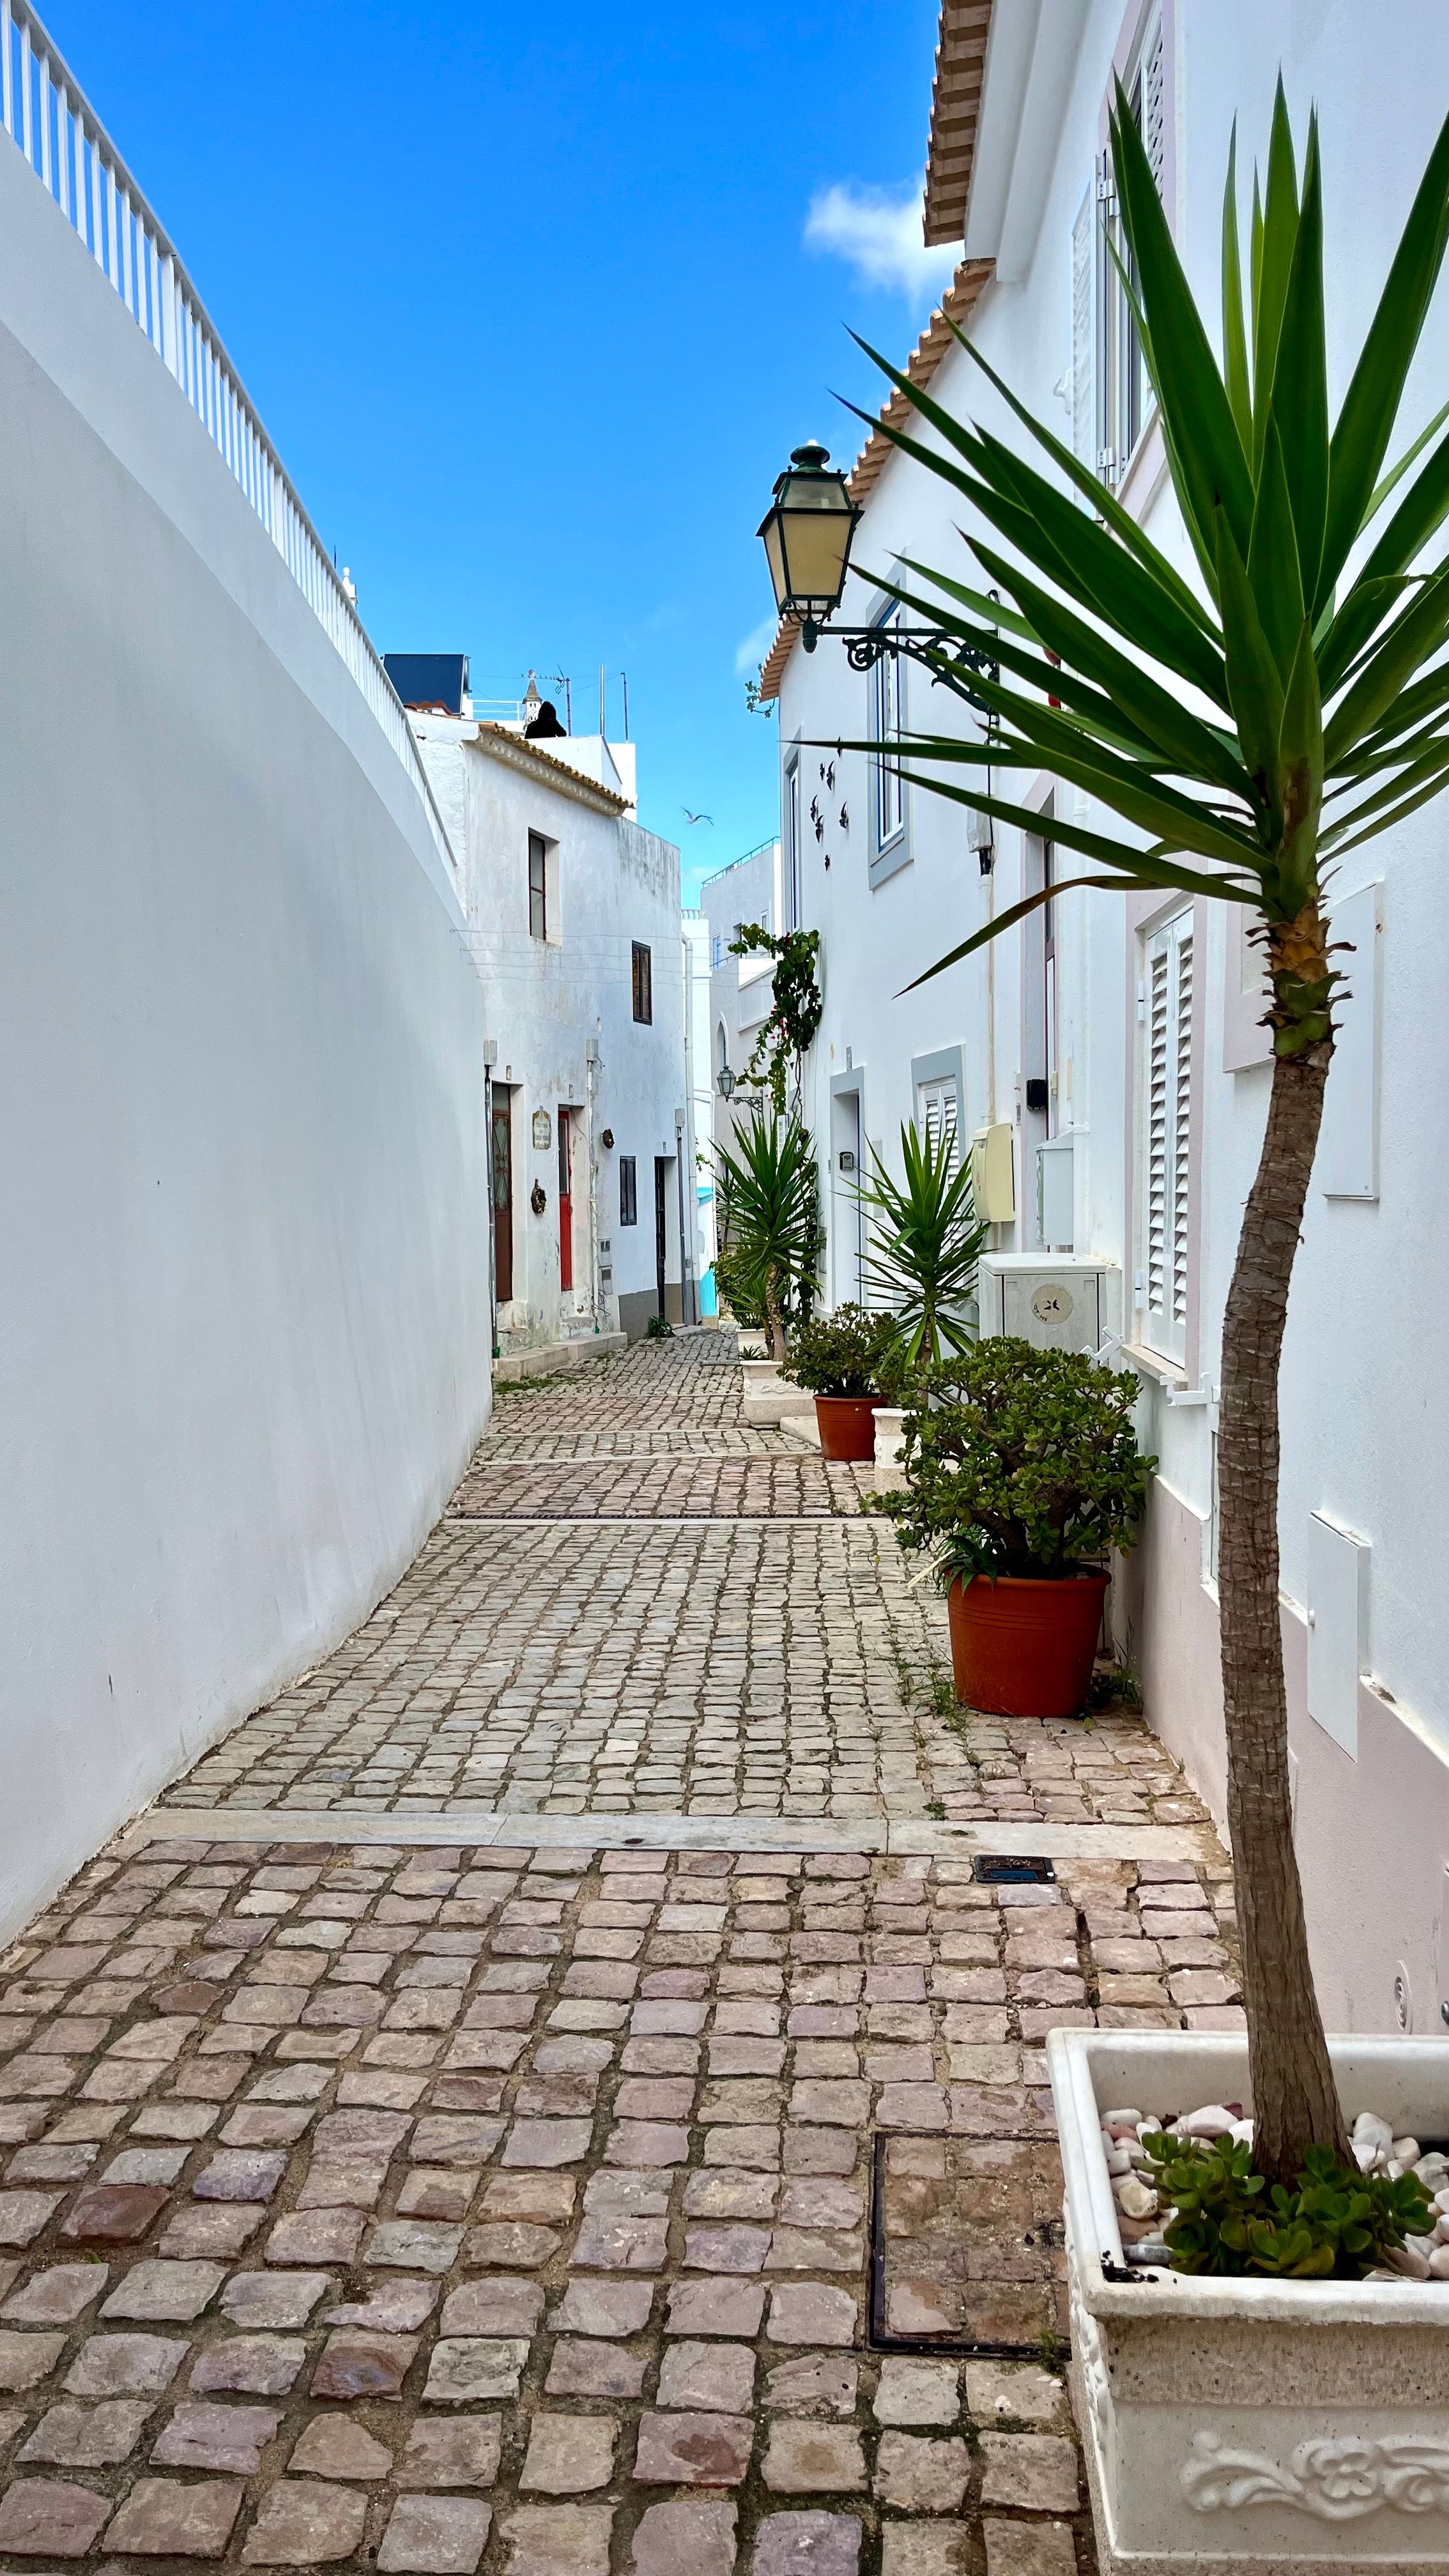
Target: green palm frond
<point>923,1249</point>
<point>1214,723</point>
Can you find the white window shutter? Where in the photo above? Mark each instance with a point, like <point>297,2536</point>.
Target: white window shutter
<point>937,1116</point>
<point>1167,1136</point>
<point>1154,105</point>
<point>1084,283</point>
<point>1105,289</point>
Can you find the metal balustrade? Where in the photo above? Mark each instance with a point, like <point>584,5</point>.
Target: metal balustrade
<point>46,113</point>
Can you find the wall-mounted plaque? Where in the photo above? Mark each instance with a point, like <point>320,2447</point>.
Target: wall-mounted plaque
<point>542,1131</point>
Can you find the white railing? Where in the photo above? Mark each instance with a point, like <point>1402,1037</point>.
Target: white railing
<point>46,113</point>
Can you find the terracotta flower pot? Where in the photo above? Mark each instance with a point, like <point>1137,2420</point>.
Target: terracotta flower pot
<point>1022,1646</point>
<point>847,1425</point>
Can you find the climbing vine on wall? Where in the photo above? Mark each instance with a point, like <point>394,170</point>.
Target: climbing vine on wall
<point>795,1012</point>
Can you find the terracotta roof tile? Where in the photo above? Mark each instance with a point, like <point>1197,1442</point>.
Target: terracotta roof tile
<point>955,106</point>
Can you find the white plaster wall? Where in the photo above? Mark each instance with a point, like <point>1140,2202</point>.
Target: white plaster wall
<point>243,1313</point>
<point>548,1002</point>
<point>1365,1407</point>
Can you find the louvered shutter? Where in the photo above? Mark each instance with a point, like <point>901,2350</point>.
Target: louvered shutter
<point>1154,105</point>
<point>937,1115</point>
<point>1166,1136</point>
<point>1084,291</point>
<point>1106,295</point>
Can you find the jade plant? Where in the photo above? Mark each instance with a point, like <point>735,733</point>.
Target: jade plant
<point>843,1353</point>
<point>1332,2222</point>
<point>1020,1462</point>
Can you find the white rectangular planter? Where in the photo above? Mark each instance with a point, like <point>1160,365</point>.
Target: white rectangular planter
<point>1250,2427</point>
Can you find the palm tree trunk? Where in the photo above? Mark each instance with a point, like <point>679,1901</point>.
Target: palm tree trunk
<point>1295,2104</point>
<point>774,1320</point>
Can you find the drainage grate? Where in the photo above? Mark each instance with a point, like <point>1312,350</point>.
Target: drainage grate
<point>966,2239</point>
<point>1012,1869</point>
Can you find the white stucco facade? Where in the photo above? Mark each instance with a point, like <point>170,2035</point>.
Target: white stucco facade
<point>1365,1409</point>
<point>582,1084</point>
<point>244,1347</point>
<point>741,989</point>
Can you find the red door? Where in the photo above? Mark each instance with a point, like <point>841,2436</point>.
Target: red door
<point>565,1201</point>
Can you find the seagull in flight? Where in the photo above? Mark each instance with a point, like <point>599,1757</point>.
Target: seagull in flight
<point>696,818</point>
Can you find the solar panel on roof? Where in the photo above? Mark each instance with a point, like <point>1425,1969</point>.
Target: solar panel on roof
<point>429,679</point>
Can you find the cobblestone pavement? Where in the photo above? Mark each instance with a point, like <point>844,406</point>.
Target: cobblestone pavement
<point>660,1628</point>
<point>452,2210</point>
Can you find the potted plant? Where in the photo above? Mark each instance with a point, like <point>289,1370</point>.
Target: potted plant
<point>1022,1470</point>
<point>1250,727</point>
<point>838,1359</point>
<point>769,1220</point>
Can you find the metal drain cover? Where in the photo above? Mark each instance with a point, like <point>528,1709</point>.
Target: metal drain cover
<point>966,2246</point>
<point>1012,1869</point>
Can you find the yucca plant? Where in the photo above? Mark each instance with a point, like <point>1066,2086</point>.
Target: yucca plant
<point>922,1250</point>
<point>1251,729</point>
<point>768,1211</point>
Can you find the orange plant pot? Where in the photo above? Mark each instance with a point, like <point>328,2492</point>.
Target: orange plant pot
<point>847,1425</point>
<point>1023,1647</point>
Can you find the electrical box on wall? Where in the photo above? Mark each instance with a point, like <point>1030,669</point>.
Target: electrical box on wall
<point>993,1177</point>
<point>1055,1301</point>
<point>1056,1192</point>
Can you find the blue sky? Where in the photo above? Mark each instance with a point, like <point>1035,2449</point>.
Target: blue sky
<point>534,304</point>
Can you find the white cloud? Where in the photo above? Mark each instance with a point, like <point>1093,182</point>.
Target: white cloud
<point>754,648</point>
<point>880,236</point>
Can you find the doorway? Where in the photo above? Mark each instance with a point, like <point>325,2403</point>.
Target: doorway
<point>565,1200</point>
<point>502,1195</point>
<point>661,1224</point>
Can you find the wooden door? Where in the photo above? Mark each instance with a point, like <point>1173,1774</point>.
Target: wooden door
<point>661,1222</point>
<point>565,1200</point>
<point>502,1196</point>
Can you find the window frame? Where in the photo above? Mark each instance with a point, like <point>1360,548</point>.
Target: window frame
<point>887,724</point>
<point>538,892</point>
<point>790,890</point>
<point>641,983</point>
<point>1124,406</point>
<point>628,1189</point>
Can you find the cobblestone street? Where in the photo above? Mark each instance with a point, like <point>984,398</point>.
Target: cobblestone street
<point>634,1601</point>
<point>453,2204</point>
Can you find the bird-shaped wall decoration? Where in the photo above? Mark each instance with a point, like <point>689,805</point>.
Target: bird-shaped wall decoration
<point>695,818</point>
<point>844,818</point>
<point>830,778</point>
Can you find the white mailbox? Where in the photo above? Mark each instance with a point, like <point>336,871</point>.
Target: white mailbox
<point>1058,1302</point>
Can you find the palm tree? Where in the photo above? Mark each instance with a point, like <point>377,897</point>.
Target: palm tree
<point>1251,730</point>
<point>922,1257</point>
<point>768,1215</point>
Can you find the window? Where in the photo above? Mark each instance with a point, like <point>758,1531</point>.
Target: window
<point>628,1191</point>
<point>537,886</point>
<point>938,1115</point>
<point>643,988</point>
<point>1122,399</point>
<point>1165,1010</point>
<point>887,719</point>
<point>716,952</point>
<point>792,848</point>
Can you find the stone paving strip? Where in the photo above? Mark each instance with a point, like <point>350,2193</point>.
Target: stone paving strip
<point>800,1483</point>
<point>452,2209</point>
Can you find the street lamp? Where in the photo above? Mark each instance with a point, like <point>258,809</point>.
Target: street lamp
<point>724,1082</point>
<point>807,534</point>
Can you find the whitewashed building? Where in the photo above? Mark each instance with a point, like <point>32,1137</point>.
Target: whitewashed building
<point>1107,1056</point>
<point>752,889</point>
<point>573,923</point>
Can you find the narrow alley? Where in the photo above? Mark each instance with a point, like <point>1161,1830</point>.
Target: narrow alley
<point>551,2093</point>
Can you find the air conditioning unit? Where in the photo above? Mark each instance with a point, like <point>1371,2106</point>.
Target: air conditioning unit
<point>1066,1301</point>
